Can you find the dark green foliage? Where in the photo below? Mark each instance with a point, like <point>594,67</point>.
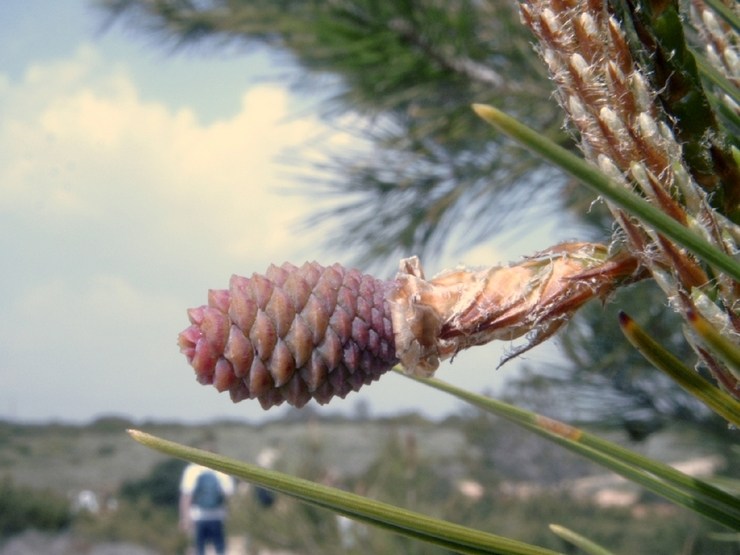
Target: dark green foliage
<point>160,487</point>
<point>107,424</point>
<point>23,507</point>
<point>413,68</point>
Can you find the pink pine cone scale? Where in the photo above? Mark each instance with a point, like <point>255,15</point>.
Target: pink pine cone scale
<point>292,334</point>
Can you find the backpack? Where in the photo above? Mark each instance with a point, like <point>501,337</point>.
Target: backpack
<point>208,493</point>
<point>264,497</point>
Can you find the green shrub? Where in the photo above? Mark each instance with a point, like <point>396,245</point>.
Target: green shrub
<point>138,522</point>
<point>145,515</point>
<point>23,507</point>
<point>160,487</point>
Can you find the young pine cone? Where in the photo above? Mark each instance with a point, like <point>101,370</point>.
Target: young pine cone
<point>313,332</point>
<point>292,335</point>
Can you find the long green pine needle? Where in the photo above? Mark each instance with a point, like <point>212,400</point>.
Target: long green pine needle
<point>603,185</point>
<point>655,476</point>
<point>389,517</point>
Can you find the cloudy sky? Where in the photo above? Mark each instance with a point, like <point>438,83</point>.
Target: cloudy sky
<point>132,179</point>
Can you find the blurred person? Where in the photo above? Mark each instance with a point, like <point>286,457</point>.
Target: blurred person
<point>266,459</point>
<point>203,506</point>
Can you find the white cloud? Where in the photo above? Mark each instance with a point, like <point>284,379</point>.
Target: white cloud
<point>115,215</point>
<point>89,148</point>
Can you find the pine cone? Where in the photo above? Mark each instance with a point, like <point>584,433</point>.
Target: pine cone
<point>292,334</point>
<point>297,334</point>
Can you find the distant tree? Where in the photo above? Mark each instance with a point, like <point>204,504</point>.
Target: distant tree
<point>111,424</point>
<point>23,507</point>
<point>161,486</point>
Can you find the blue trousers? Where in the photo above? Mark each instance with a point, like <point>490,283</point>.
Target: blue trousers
<point>209,531</point>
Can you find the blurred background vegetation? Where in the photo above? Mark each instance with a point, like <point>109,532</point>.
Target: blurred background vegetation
<point>90,486</point>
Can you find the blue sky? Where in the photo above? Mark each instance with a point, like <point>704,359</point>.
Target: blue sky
<point>132,179</point>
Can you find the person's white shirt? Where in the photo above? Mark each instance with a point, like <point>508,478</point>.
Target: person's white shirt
<point>187,485</point>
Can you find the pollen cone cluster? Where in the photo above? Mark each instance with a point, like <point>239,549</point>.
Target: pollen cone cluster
<point>292,334</point>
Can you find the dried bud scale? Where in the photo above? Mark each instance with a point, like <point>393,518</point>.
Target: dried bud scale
<point>296,334</point>
<point>460,308</point>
